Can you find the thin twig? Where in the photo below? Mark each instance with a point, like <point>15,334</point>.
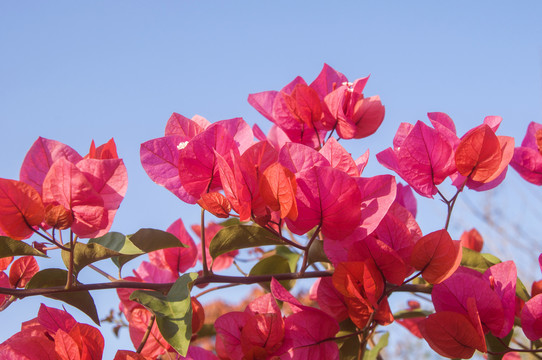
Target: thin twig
<point>146,336</point>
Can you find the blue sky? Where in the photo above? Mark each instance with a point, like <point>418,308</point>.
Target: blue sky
<point>76,71</point>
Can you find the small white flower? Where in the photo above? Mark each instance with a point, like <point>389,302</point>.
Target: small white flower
<point>182,145</point>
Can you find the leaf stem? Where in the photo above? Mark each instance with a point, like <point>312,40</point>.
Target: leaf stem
<point>69,281</point>
<point>307,248</point>
<point>103,273</point>
<point>146,336</point>
<point>203,247</point>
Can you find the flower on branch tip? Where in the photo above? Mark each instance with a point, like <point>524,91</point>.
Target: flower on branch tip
<point>527,159</point>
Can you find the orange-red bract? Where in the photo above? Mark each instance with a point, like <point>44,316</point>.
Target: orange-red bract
<point>478,155</point>
<point>22,270</point>
<point>451,335</point>
<point>104,151</point>
<point>129,355</point>
<point>198,315</point>
<point>277,188</point>
<point>437,256</point>
<point>472,239</point>
<point>216,204</point>
<point>20,207</point>
<point>303,104</point>
<point>58,216</point>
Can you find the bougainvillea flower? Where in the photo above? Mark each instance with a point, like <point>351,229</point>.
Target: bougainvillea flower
<point>90,189</point>
<point>180,125</point>
<point>54,334</point>
<point>20,207</point>
<point>362,285</point>
<point>327,81</point>
<point>527,160</point>
<point>472,240</point>
<point>328,198</point>
<point>421,156</point>
<point>494,293</point>
<point>178,259</point>
<point>356,116</point>
<point>294,109</point>
<point>258,332</point>
<point>437,256</point>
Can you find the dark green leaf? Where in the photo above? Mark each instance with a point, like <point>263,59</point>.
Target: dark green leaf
<point>85,254</point>
<point>495,345</point>
<point>10,247</point>
<point>373,353</point>
<point>349,346</point>
<point>274,264</point>
<point>57,277</point>
<point>316,252</point>
<point>173,311</point>
<point>409,314</point>
<point>237,237</point>
<point>289,255</point>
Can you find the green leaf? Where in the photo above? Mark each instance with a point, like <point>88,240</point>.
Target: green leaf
<point>274,264</point>
<point>348,347</point>
<point>10,247</point>
<point>479,262</point>
<point>85,254</point>
<point>57,277</point>
<point>316,252</point>
<point>521,291</point>
<point>409,314</point>
<point>289,255</point>
<point>142,242</point>
<point>237,237</point>
<point>496,345</point>
<point>173,311</point>
<point>373,353</point>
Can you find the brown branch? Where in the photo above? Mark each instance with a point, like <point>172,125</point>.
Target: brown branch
<point>212,278</point>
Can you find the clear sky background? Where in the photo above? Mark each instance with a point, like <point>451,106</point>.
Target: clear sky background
<point>76,71</point>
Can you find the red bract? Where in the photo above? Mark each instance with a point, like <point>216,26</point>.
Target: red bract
<point>531,316</point>
<point>339,158</point>
<point>329,299</point>
<point>452,335</point>
<point>362,286</point>
<point>216,204</point>
<point>437,256</point>
<point>20,208</point>
<point>39,159</point>
<point>179,259</point>
<point>527,159</point>
<point>105,151</point>
<point>277,188</point>
<point>472,239</point>
<point>22,270</point>
<point>421,156</point>
<point>478,155</point>
<point>328,198</point>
